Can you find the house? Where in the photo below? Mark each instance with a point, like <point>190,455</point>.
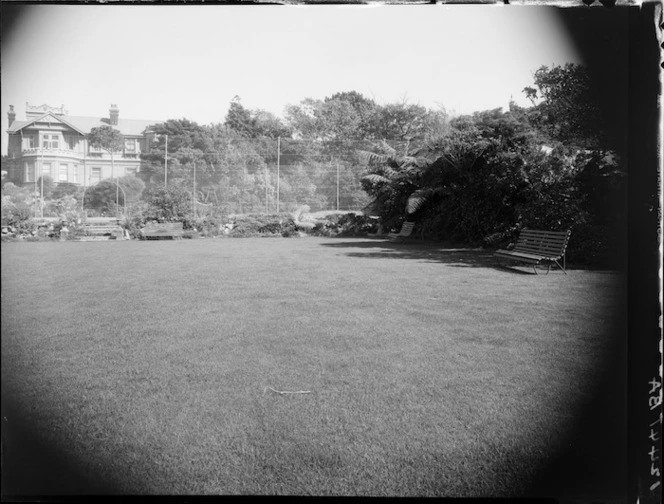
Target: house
<point>53,143</point>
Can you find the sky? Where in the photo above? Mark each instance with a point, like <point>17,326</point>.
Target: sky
<point>189,61</point>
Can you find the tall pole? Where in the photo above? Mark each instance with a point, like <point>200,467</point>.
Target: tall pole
<point>36,181</point>
<point>124,200</point>
<point>193,194</point>
<point>337,185</point>
<point>88,182</point>
<point>117,186</point>
<point>267,208</point>
<point>278,161</point>
<point>41,199</point>
<point>166,163</point>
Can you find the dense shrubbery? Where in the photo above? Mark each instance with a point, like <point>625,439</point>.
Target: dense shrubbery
<point>209,226</point>
<point>494,175</point>
<point>551,166</point>
<point>348,224</point>
<point>263,225</point>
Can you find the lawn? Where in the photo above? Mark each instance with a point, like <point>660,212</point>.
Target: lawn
<point>422,370</point>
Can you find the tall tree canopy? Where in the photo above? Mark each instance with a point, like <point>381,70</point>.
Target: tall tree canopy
<point>254,123</point>
<point>565,106</point>
<point>106,138</point>
<point>239,119</point>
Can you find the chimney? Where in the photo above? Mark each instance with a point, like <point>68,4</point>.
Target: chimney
<point>11,115</point>
<point>114,114</point>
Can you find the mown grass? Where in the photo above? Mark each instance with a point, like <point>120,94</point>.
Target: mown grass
<point>143,367</point>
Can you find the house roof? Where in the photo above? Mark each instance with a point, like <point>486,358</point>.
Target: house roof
<point>132,127</point>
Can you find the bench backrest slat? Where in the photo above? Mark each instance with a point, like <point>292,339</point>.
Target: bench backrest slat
<point>545,243</point>
<point>174,226</point>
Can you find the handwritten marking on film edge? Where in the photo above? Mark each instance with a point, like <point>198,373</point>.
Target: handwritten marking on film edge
<point>655,401</point>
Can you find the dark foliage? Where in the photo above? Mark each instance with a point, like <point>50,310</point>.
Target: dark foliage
<point>262,225</point>
<point>345,225</point>
<point>497,172</point>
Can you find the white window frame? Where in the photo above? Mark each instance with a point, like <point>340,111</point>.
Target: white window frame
<point>30,168</point>
<point>93,179</point>
<point>130,145</point>
<point>51,141</point>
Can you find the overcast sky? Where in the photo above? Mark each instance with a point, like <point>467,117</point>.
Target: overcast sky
<point>169,62</point>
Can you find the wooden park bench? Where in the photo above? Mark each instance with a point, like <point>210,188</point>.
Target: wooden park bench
<point>162,230</point>
<point>406,231</point>
<point>95,231</point>
<point>536,246</point>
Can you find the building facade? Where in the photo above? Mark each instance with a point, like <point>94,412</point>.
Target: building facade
<point>51,142</point>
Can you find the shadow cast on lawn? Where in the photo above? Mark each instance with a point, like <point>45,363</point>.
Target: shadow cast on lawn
<point>450,254</point>
<point>33,469</point>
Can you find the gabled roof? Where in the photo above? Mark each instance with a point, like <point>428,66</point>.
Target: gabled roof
<point>47,117</point>
<point>83,125</point>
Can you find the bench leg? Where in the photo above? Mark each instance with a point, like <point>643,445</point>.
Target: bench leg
<point>561,267</point>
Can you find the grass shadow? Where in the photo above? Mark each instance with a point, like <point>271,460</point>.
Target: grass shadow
<point>34,468</point>
<point>451,254</point>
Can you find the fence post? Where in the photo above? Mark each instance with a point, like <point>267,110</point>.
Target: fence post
<point>337,185</point>
<point>193,194</point>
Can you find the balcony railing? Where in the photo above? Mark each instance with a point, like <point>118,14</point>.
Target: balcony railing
<point>37,151</point>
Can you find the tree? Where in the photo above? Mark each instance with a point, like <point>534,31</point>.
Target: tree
<point>565,106</point>
<point>239,119</point>
<point>339,119</point>
<point>391,180</point>
<point>187,141</point>
<point>110,140</point>
<point>402,121</point>
<point>304,119</point>
<point>467,185</point>
<point>269,125</point>
<point>104,196</point>
<point>17,203</point>
<point>10,170</point>
<point>133,187</point>
<point>106,138</point>
<point>170,203</point>
<point>65,189</point>
<point>354,113</point>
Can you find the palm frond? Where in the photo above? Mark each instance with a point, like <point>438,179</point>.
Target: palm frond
<point>422,197</point>
<point>417,200</point>
<point>373,157</point>
<point>385,154</point>
<point>375,178</point>
<point>386,148</point>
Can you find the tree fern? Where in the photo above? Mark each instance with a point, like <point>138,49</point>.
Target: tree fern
<point>375,179</point>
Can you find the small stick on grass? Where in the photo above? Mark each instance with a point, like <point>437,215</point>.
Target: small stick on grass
<point>286,392</point>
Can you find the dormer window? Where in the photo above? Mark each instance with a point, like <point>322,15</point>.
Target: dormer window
<point>130,145</point>
<point>50,142</point>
